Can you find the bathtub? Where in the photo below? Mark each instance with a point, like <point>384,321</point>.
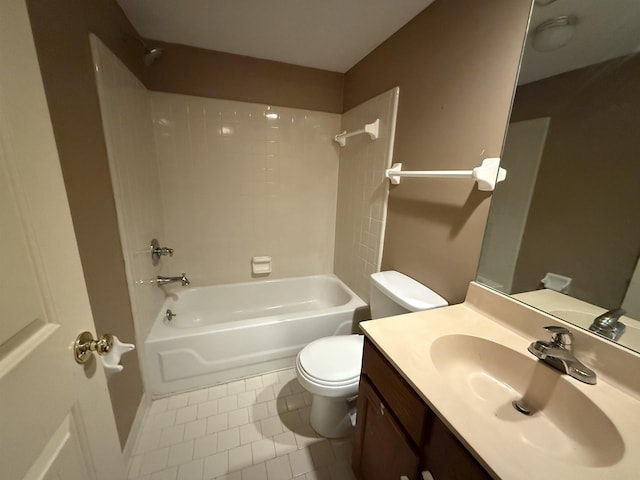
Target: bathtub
<point>225,332</point>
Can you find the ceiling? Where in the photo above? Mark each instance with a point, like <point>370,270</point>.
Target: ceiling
<point>330,34</point>
<point>606,29</point>
<point>335,34</point>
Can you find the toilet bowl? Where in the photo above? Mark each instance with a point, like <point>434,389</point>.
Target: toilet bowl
<point>329,368</point>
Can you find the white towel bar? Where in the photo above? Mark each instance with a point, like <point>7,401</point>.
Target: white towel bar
<point>487,174</point>
<point>372,129</point>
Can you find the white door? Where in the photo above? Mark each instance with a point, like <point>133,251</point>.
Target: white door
<point>56,420</point>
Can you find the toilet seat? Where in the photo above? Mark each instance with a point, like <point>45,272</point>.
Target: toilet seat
<point>331,366</point>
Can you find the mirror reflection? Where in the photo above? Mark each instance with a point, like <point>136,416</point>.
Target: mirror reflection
<point>563,233</point>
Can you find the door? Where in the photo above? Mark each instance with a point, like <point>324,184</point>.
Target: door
<point>56,420</point>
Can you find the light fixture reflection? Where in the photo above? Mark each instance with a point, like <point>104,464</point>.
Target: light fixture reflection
<point>554,33</point>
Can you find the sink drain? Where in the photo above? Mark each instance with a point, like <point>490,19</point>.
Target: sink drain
<point>521,407</point>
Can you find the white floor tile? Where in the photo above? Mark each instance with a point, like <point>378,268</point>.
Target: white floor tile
<point>218,432</point>
<point>250,433</point>
<point>272,407</point>
<point>181,453</point>
<point>296,387</point>
<point>322,453</point>
<point>226,404</point>
<point>208,408</point>
<point>228,439</point>
<point>253,383</point>
<point>265,394</point>
<point>216,465</point>
<point>236,387</point>
<point>258,412</point>
<point>295,401</point>
<point>205,446</point>
<point>198,396</point>
<point>286,376</point>
<point>301,462</point>
<point>154,461</point>
<point>187,414</point>
<point>167,474</point>
<point>342,448</point>
<point>319,474</point>
<point>218,391</point>
<point>240,457</point>
<point>270,379</point>
<point>134,467</point>
<point>282,389</point>
<point>195,429</point>
<point>291,421</point>
<point>158,406</point>
<point>238,417</point>
<point>217,423</point>
<point>256,472</point>
<point>147,441</point>
<point>191,470</point>
<point>271,426</point>
<point>341,471</point>
<point>171,435</point>
<point>263,450</point>
<point>246,399</point>
<point>164,419</point>
<point>178,401</point>
<point>231,476</point>
<point>285,443</point>
<point>279,469</point>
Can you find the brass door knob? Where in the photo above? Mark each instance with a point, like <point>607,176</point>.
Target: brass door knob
<point>85,345</point>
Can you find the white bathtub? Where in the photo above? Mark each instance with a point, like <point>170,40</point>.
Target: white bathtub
<point>226,332</point>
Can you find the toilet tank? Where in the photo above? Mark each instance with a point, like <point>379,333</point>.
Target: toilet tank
<point>393,293</point>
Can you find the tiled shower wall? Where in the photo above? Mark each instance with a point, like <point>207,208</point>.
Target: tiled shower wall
<point>363,191</point>
<point>126,113</point>
<point>240,180</point>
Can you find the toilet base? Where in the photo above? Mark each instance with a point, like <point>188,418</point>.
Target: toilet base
<point>330,417</point>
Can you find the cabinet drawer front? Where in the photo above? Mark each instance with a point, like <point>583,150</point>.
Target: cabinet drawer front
<point>405,403</point>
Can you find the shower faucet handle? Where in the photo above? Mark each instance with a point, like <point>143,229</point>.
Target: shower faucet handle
<point>157,251</point>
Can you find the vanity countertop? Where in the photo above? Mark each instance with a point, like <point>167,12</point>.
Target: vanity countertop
<point>581,432</point>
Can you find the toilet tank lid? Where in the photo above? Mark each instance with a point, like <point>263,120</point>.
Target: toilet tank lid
<point>407,292</point>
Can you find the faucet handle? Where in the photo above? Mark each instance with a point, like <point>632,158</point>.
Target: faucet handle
<point>560,337</point>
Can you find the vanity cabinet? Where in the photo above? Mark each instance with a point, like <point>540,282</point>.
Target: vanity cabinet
<point>397,436</point>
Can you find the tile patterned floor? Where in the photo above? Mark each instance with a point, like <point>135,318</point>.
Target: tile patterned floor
<point>252,429</point>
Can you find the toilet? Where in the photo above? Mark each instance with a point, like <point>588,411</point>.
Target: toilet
<point>329,368</point>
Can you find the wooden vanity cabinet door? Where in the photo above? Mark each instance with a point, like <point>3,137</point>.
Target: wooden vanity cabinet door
<point>446,458</point>
<point>382,451</point>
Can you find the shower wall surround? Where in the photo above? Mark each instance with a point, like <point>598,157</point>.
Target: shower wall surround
<point>363,191</point>
<point>126,111</point>
<point>242,179</point>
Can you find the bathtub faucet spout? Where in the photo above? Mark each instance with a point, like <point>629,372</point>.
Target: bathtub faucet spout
<point>180,278</point>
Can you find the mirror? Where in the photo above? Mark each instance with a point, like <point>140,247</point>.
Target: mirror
<point>563,232</point>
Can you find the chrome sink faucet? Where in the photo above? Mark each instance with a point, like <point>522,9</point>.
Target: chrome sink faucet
<point>180,278</point>
<point>608,324</point>
<point>558,353</point>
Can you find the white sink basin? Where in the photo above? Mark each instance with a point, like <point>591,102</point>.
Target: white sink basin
<point>564,423</point>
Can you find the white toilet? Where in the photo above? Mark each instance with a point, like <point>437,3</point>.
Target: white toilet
<point>329,368</point>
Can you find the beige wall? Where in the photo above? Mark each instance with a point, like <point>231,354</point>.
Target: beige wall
<point>206,73</point>
<point>61,32</point>
<point>585,206</point>
<point>363,191</point>
<point>456,65</point>
<point>237,184</point>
